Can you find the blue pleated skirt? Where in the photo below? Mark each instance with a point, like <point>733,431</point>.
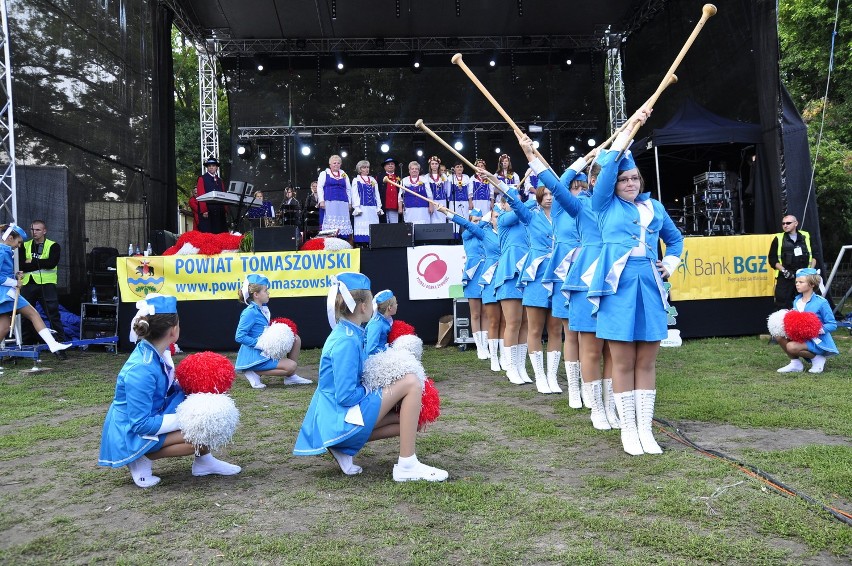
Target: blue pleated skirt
<point>635,312</point>
<point>580,317</point>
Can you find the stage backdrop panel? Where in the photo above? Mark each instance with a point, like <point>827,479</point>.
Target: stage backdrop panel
<point>725,267</point>
<point>432,270</point>
<point>202,278</point>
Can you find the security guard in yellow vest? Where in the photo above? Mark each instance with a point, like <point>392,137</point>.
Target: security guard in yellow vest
<point>39,260</point>
<point>789,252</point>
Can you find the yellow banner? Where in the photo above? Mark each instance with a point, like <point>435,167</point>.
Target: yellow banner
<point>201,277</point>
<point>724,267</point>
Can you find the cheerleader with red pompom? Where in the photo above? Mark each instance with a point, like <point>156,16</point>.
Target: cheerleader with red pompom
<point>265,349</point>
<point>808,326</point>
<point>142,423</point>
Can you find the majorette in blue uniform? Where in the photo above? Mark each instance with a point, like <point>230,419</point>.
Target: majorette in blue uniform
<point>822,345</point>
<point>379,326</point>
<point>329,422</point>
<point>7,272</point>
<point>253,321</point>
<point>540,234</point>
<point>514,245</point>
<point>566,245</point>
<point>626,284</point>
<point>145,391</point>
<point>474,251</point>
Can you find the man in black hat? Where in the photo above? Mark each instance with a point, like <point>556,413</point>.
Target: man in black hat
<point>212,217</point>
<point>389,192</point>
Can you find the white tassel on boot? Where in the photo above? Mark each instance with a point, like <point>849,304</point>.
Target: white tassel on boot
<point>482,345</point>
<point>51,342</point>
<point>609,404</point>
<point>493,350</point>
<point>522,363</point>
<point>629,435</point>
<point>645,399</point>
<point>537,360</point>
<point>553,370</point>
<point>504,356</point>
<point>572,370</point>
<point>592,390</point>
<point>512,372</point>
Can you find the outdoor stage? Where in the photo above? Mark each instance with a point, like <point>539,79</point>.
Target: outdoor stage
<point>710,292</point>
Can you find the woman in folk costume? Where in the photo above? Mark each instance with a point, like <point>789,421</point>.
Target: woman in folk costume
<point>506,175</point>
<point>366,201</point>
<point>627,284</point>
<point>537,294</point>
<point>253,321</point>
<point>415,210</point>
<point>440,187</point>
<point>577,204</point>
<point>480,190</point>
<point>461,195</point>
<point>820,347</point>
<point>531,185</point>
<point>334,194</point>
<point>343,415</point>
<point>141,424</point>
<point>514,246</point>
<point>12,238</point>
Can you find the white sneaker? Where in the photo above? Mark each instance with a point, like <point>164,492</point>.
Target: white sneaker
<point>296,380</point>
<point>419,471</point>
<point>254,380</point>
<point>206,465</point>
<point>793,366</point>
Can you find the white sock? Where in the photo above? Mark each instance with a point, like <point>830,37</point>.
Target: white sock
<point>347,466</point>
<point>140,470</point>
<point>408,462</point>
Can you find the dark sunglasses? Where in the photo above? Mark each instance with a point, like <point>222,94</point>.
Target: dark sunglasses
<point>787,223</point>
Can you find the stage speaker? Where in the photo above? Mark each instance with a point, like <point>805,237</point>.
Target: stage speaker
<point>161,240</point>
<point>280,239</point>
<point>424,233</point>
<point>391,235</point>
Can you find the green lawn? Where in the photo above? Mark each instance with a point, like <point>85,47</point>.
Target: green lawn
<point>531,482</point>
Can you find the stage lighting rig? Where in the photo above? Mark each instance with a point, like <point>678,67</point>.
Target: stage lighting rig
<point>344,146</point>
<point>340,63</point>
<point>496,142</point>
<point>303,139</point>
<point>492,61</point>
<point>416,62</point>
<point>566,59</point>
<point>261,63</point>
<point>419,147</point>
<point>244,148</point>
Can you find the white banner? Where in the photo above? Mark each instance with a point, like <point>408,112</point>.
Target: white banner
<point>433,269</point>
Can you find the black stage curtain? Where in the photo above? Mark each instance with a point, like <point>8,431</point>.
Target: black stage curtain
<point>162,185</point>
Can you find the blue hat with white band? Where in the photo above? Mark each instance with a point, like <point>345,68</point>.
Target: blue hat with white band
<point>343,284</point>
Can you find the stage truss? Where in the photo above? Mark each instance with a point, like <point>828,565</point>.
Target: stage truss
<point>8,193</point>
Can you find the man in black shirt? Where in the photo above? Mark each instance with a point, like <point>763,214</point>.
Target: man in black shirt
<point>39,259</point>
<point>790,251</point>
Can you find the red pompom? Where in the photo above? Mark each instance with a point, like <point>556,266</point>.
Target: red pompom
<point>400,328</point>
<point>802,326</point>
<point>288,322</point>
<point>430,404</point>
<point>313,244</point>
<point>205,372</point>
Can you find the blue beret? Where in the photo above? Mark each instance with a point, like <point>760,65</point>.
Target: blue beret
<point>383,296</point>
<point>626,162</point>
<point>255,279</point>
<point>581,177</point>
<point>476,212</point>
<point>807,271</point>
<point>21,232</point>
<point>354,281</point>
<point>162,304</point>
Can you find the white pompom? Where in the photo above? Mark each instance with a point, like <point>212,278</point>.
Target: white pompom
<point>276,341</point>
<point>382,369</point>
<point>188,249</point>
<point>410,343</point>
<point>337,244</point>
<point>208,419</point>
<point>775,324</point>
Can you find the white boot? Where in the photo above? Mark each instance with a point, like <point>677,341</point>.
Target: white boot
<point>644,415</point>
<point>537,359</point>
<point>794,366</point>
<point>493,348</point>
<point>504,356</point>
<point>254,379</point>
<point>817,364</point>
<point>522,363</point>
<point>587,403</point>
<point>609,405</point>
<point>482,345</point>
<point>553,371</point>
<point>51,342</point>
<point>572,370</point>
<point>592,390</point>
<point>512,372</point>
<point>629,435</point>
<point>140,470</point>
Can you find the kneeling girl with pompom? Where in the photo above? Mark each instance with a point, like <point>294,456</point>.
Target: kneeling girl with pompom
<point>384,307</point>
<point>810,339</point>
<point>344,415</point>
<point>264,350</point>
<point>142,422</point>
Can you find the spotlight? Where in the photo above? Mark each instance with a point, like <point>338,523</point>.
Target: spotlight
<point>306,150</point>
<point>536,144</point>
<point>344,145</point>
<point>495,142</point>
<point>572,148</point>
<point>492,61</point>
<point>592,142</point>
<point>419,147</point>
<point>262,152</point>
<point>304,140</point>
<point>458,145</point>
<point>535,129</point>
<point>384,147</point>
<point>340,62</point>
<point>261,63</point>
<point>566,59</point>
<point>244,148</point>
<point>416,62</point>
<point>333,9</point>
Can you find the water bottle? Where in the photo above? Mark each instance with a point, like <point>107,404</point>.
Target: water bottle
<point>138,251</point>
<point>130,249</point>
<point>94,296</point>
<point>149,251</point>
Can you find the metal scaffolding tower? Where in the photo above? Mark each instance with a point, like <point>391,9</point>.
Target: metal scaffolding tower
<point>614,81</point>
<point>208,106</point>
<point>8,197</point>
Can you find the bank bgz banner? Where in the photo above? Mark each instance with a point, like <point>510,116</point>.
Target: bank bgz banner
<point>725,267</point>
<point>201,277</point>
<point>433,269</point>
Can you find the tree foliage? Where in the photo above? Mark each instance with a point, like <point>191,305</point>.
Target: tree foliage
<point>805,34</point>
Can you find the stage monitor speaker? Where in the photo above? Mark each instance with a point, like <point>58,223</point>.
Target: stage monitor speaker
<point>280,239</point>
<point>433,233</point>
<point>161,240</point>
<point>391,235</point>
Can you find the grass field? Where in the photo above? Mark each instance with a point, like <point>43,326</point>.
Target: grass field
<point>531,482</point>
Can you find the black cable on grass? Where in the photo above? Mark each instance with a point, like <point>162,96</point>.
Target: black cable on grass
<point>674,432</point>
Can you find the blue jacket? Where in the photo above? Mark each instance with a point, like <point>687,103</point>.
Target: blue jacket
<point>377,333</point>
<point>824,343</point>
<point>253,321</point>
